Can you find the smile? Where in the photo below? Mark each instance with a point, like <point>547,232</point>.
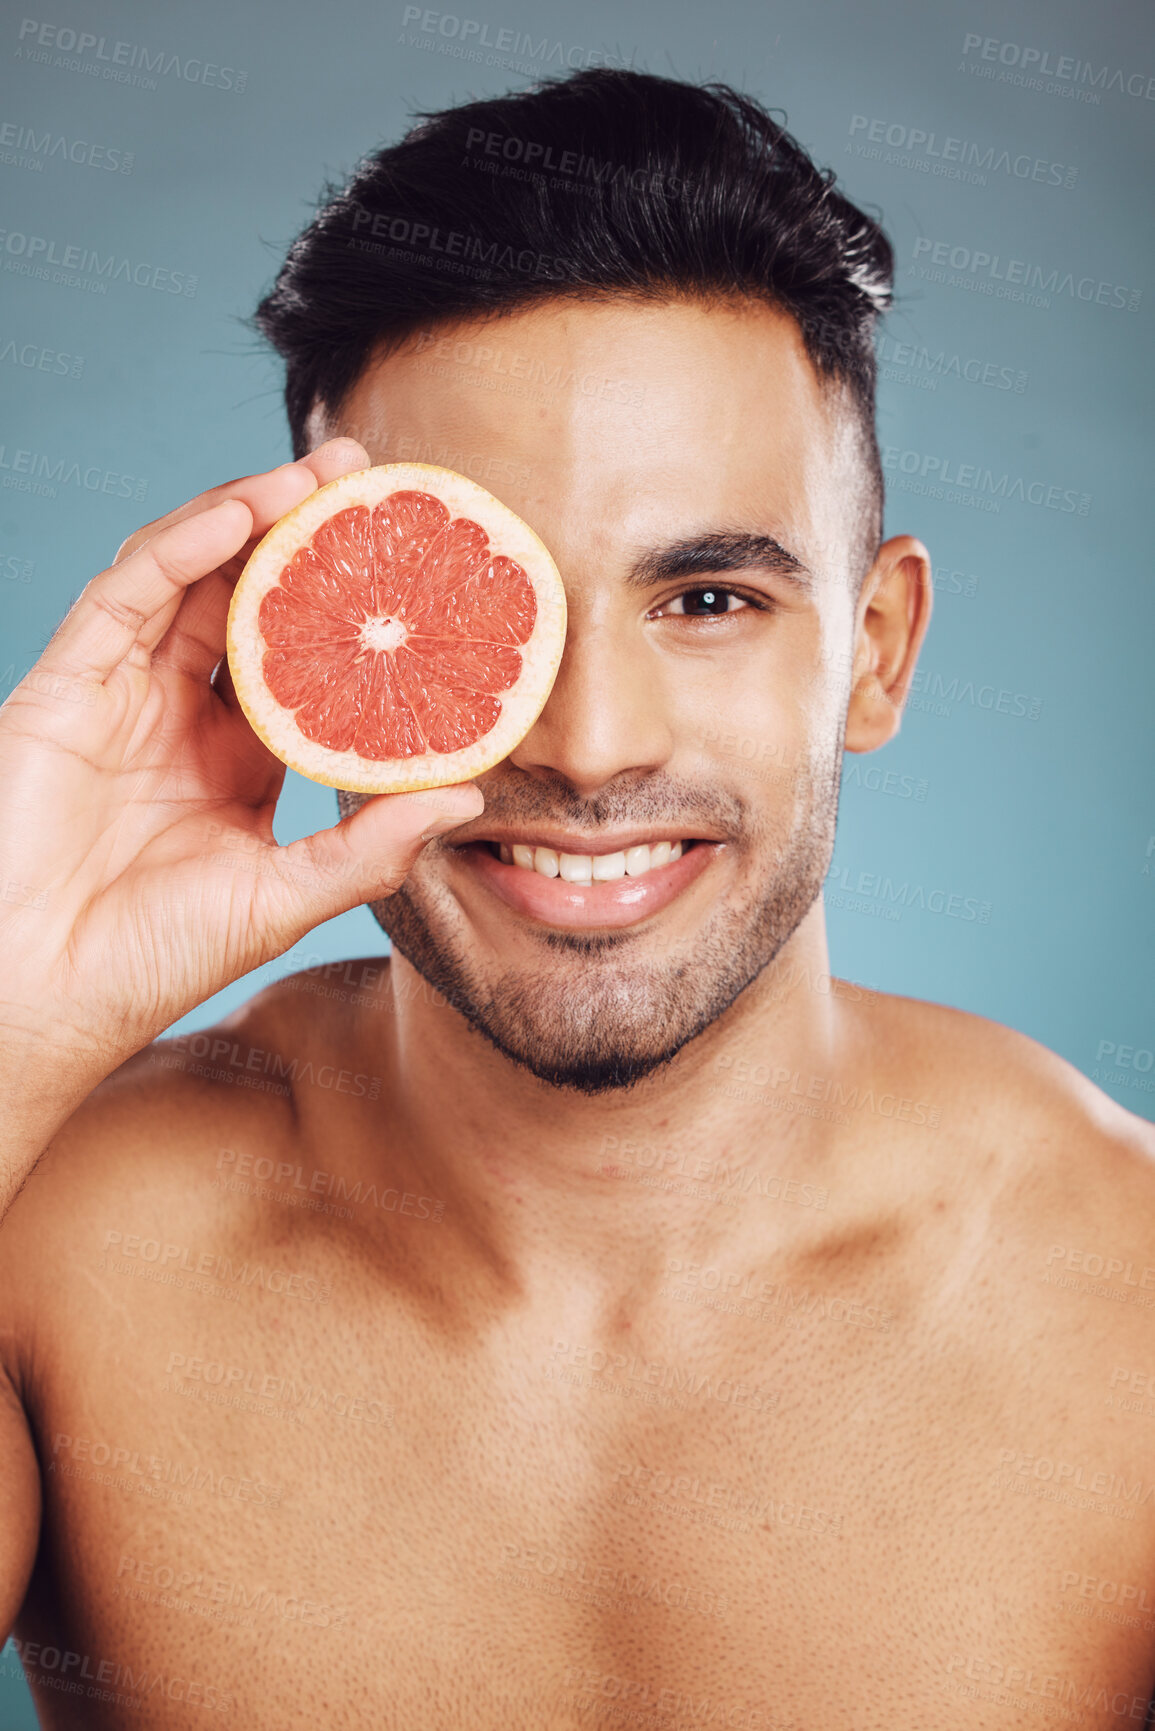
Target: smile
<point>587,868</point>
<point>561,887</point>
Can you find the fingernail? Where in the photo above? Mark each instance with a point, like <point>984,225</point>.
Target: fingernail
<point>444,823</point>
<point>353,446</point>
<point>452,810</point>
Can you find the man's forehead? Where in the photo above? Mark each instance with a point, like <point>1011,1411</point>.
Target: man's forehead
<point>619,419</point>
<point>583,359</point>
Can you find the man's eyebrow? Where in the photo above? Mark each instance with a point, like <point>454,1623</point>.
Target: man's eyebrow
<point>721,550</point>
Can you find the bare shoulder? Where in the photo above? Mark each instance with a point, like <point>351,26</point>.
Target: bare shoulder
<point>1057,1161</point>
<point>142,1143</point>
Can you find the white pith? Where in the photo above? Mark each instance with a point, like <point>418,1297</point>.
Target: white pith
<point>384,634</point>
<point>584,868</point>
<point>520,706</point>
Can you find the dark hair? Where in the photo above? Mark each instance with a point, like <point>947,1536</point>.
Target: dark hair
<point>608,181</point>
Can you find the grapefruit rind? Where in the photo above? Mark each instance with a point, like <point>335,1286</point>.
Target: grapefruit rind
<point>520,707</point>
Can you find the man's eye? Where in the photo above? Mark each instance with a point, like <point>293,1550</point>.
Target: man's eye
<point>705,603</point>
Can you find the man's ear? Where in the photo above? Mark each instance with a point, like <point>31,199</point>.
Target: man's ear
<point>890,623</point>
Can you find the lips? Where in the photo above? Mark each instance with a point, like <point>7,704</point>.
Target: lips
<point>592,892</point>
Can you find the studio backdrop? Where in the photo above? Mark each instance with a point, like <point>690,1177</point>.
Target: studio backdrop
<point>999,856</point>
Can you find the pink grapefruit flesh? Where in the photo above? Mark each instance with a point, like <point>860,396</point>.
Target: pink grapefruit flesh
<point>399,629</point>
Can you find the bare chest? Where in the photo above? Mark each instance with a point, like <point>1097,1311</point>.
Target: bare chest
<point>269,1509</point>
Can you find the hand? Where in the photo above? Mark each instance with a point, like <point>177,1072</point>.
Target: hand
<point>137,859</point>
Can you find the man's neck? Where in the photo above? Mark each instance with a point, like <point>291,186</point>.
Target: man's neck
<point>550,1186</point>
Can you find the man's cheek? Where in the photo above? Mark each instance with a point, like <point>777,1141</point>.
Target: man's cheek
<point>758,751</point>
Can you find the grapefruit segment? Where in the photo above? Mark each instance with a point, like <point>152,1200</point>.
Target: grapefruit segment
<point>400,629</point>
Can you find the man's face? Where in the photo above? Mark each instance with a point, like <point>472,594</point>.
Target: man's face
<point>664,454</point>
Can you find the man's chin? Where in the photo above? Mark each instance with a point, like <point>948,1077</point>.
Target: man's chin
<point>587,1072</point>
<point>589,1038</point>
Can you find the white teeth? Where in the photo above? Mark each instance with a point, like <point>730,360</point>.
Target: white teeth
<point>584,868</point>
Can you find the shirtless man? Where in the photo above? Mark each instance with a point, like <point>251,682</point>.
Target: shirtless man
<point>595,1315</point>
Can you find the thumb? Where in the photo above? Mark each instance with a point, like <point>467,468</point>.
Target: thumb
<point>364,858</point>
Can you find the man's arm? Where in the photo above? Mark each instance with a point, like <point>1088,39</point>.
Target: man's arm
<point>124,754</point>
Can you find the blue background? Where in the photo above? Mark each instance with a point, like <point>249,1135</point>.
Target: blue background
<point>1043,818</point>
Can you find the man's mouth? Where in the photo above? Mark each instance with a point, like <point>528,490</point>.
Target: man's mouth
<point>589,868</point>
<point>629,878</point>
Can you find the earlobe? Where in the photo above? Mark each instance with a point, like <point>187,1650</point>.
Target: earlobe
<point>892,617</point>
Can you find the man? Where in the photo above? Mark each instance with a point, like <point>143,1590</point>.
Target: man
<point>596,1315</point>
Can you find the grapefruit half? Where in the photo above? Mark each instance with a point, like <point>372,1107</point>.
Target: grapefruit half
<point>399,629</point>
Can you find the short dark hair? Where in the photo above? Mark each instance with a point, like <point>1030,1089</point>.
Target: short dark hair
<point>606,182</point>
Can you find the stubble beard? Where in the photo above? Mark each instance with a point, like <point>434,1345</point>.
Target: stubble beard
<point>612,1010</point>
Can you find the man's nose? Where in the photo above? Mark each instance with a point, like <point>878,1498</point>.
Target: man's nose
<point>608,713</point>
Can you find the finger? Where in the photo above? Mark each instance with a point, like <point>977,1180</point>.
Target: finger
<point>107,621</point>
<point>191,636</point>
<point>363,858</point>
<point>269,496</point>
<point>193,640</point>
<point>334,458</point>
